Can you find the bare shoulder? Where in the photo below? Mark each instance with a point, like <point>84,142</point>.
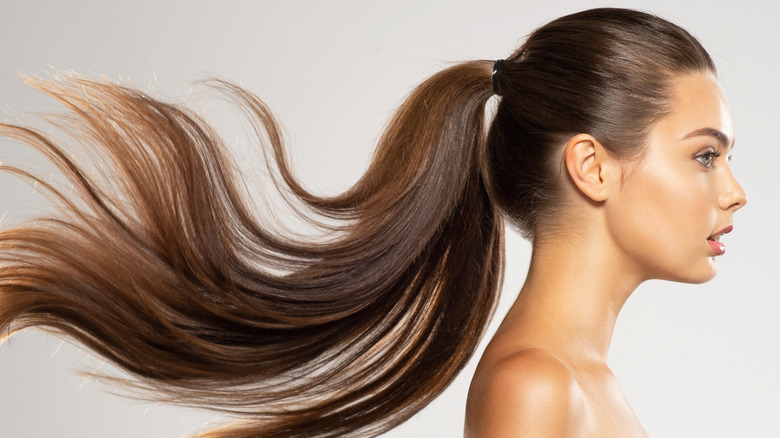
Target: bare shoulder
<point>529,393</point>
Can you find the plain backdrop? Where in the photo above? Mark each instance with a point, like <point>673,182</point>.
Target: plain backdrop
<point>694,360</point>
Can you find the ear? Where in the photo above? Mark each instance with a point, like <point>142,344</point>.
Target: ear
<point>589,165</point>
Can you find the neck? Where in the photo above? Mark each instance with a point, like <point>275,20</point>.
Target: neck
<point>575,289</point>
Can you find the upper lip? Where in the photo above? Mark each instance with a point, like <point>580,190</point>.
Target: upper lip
<point>726,230</point>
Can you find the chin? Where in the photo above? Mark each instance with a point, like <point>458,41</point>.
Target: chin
<point>694,275</point>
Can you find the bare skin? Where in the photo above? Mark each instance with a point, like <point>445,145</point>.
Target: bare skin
<point>545,373</point>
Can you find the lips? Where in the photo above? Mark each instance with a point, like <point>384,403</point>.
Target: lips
<point>717,235</point>
<point>714,241</point>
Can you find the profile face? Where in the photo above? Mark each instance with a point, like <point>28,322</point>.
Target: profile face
<point>669,212</point>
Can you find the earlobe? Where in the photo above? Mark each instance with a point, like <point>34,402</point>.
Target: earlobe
<point>586,161</point>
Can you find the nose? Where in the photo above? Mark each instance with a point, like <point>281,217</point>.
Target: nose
<point>732,197</point>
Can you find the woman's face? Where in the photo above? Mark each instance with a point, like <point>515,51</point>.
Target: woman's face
<point>669,213</point>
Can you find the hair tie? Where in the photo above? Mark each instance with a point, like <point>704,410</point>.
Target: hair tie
<point>496,73</point>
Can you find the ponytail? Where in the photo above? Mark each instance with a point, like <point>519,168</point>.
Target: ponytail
<point>166,271</point>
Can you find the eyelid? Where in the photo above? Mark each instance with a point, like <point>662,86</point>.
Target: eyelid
<point>709,151</point>
<point>718,151</point>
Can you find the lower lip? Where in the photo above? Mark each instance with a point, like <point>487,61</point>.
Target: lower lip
<point>717,247</point>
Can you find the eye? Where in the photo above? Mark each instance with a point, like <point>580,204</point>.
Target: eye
<point>706,158</point>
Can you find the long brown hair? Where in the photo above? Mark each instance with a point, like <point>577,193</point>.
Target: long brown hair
<point>161,266</point>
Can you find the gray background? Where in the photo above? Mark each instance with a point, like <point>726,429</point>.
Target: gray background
<point>693,360</point>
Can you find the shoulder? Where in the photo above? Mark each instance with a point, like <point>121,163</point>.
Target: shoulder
<point>529,393</point>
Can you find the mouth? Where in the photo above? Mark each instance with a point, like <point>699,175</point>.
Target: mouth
<point>716,236</point>
<point>714,240</point>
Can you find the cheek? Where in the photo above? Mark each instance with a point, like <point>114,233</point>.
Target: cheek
<point>660,223</point>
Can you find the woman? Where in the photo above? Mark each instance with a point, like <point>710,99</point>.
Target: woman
<point>163,269</point>
<point>636,186</point>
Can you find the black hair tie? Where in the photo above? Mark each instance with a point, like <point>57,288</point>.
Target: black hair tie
<point>496,75</point>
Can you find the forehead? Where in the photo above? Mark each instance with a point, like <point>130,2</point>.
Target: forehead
<point>697,105</point>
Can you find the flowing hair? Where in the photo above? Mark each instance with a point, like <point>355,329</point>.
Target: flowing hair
<point>162,267</point>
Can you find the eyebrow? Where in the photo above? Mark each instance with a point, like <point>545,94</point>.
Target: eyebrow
<point>711,132</point>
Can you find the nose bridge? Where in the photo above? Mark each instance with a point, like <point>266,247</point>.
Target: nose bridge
<point>732,196</point>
